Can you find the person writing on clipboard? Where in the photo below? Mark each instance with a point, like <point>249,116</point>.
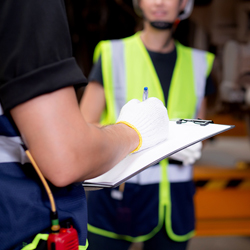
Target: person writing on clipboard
<point>39,108</point>
<point>156,206</point>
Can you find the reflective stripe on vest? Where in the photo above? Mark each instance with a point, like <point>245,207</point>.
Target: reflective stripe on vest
<point>200,62</point>
<point>10,144</point>
<point>119,75</point>
<point>35,242</point>
<point>11,150</point>
<point>152,175</point>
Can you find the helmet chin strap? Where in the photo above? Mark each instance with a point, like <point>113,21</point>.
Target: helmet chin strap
<point>161,25</point>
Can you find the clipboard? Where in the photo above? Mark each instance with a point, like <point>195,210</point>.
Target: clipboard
<point>182,134</point>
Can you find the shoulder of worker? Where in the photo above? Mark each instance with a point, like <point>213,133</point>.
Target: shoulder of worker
<point>104,45</point>
<point>115,41</point>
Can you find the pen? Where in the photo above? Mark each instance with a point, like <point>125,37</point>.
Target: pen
<point>145,93</point>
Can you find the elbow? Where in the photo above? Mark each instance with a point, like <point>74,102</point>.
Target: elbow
<point>67,165</point>
<point>60,181</point>
<point>65,172</point>
<point>63,176</point>
<point>58,172</point>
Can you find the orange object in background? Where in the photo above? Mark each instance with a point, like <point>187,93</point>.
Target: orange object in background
<point>222,201</point>
<point>239,130</point>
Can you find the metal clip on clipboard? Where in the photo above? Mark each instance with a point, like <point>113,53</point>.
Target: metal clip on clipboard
<point>195,121</point>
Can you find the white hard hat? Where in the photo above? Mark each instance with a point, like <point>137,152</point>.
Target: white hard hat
<point>183,15</point>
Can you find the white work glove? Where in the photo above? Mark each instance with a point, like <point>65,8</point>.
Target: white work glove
<point>188,155</point>
<point>148,118</point>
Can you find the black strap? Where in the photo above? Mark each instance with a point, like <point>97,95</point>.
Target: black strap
<point>171,161</point>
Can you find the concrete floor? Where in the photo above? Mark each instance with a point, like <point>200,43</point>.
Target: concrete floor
<point>212,243</point>
<point>225,152</point>
<point>219,243</point>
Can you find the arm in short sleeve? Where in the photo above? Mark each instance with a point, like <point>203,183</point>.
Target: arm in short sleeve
<point>35,50</point>
<point>210,88</point>
<point>96,72</point>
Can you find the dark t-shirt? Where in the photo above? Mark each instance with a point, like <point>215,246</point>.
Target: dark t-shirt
<point>164,64</point>
<point>35,50</point>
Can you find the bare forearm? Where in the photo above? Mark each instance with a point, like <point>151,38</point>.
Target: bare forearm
<point>202,112</point>
<point>65,147</point>
<point>87,154</point>
<point>110,145</point>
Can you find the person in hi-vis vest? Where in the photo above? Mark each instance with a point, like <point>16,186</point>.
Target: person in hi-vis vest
<point>156,206</point>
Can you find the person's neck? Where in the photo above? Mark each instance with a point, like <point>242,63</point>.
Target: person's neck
<point>157,40</point>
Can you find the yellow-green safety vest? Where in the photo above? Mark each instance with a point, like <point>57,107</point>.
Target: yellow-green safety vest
<point>127,69</point>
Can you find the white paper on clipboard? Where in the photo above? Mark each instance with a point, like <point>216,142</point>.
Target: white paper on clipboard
<point>181,136</point>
